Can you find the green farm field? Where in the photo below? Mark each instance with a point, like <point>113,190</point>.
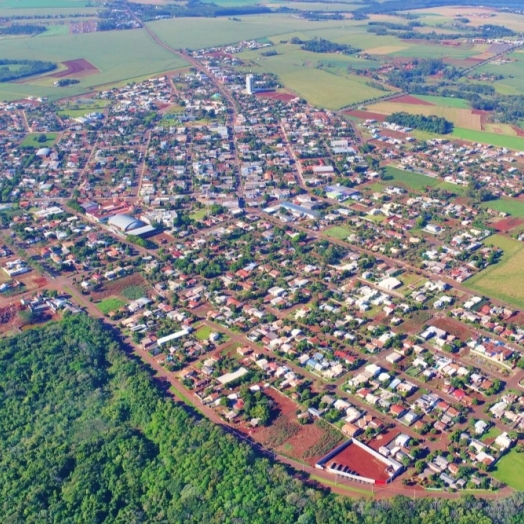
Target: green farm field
<point>494,139</point>
<point>505,280</point>
<point>41,4</point>
<point>445,101</point>
<point>134,54</point>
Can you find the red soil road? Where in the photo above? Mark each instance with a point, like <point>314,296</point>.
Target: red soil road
<point>413,100</point>
<point>79,67</point>
<point>518,130</point>
<point>361,462</point>
<point>276,95</point>
<point>366,115</point>
<point>506,224</point>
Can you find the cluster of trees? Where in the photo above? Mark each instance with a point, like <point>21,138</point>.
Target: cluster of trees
<point>321,45</point>
<point>64,82</point>
<point>87,437</point>
<point>432,124</point>
<point>23,68</point>
<point>22,29</point>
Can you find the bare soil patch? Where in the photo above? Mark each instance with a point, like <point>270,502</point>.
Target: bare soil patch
<point>506,224</point>
<point>277,95</point>
<point>409,99</point>
<point>452,326</point>
<point>110,289</point>
<point>79,68</point>
<point>366,115</point>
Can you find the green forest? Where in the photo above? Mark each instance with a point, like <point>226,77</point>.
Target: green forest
<point>88,437</point>
<point>431,124</point>
<point>16,69</point>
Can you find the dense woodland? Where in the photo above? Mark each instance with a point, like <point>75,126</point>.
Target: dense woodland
<point>22,29</point>
<point>88,438</point>
<point>15,69</point>
<point>431,124</point>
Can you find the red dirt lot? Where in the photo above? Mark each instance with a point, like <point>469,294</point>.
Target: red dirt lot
<point>79,68</point>
<point>506,224</point>
<point>413,100</point>
<point>452,326</point>
<point>276,95</point>
<point>110,289</point>
<point>518,130</point>
<point>298,444</point>
<point>8,317</point>
<point>360,462</point>
<point>366,115</point>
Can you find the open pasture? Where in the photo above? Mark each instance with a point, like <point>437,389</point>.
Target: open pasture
<point>494,139</point>
<point>410,179</point>
<point>504,280</point>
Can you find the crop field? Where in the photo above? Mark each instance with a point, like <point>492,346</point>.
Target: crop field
<point>504,280</point>
<point>133,55</point>
<point>445,101</point>
<point>463,118</point>
<point>510,142</point>
<point>410,179</point>
<point>41,4</point>
<point>195,33</point>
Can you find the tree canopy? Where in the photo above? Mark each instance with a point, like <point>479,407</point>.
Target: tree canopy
<point>87,437</point>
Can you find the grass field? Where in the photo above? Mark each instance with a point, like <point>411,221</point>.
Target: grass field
<point>203,333</point>
<point>40,4</point>
<point>339,232</point>
<point>133,54</point>
<point>494,139</point>
<point>446,101</point>
<point>110,304</point>
<point>199,214</point>
<point>410,179</point>
<point>506,205</point>
<point>76,109</point>
<point>505,280</point>
<point>31,140</point>
<point>509,470</point>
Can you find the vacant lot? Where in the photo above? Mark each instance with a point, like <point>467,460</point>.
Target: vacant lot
<point>203,333</point>
<point>506,205</point>
<point>32,140</point>
<point>410,179</point>
<point>119,286</point>
<point>339,232</point>
<point>509,470</point>
<point>110,304</point>
<point>504,280</point>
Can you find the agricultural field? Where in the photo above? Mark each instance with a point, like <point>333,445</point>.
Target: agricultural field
<point>461,118</point>
<point>108,305</point>
<point>494,139</point>
<point>135,55</point>
<point>41,4</point>
<point>444,101</point>
<point>504,280</point>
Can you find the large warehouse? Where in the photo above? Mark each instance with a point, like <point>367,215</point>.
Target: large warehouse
<point>128,225</point>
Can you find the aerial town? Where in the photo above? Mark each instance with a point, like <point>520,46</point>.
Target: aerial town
<point>315,283</point>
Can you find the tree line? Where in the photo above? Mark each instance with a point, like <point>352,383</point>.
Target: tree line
<point>23,68</point>
<point>431,124</point>
<point>88,437</point>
